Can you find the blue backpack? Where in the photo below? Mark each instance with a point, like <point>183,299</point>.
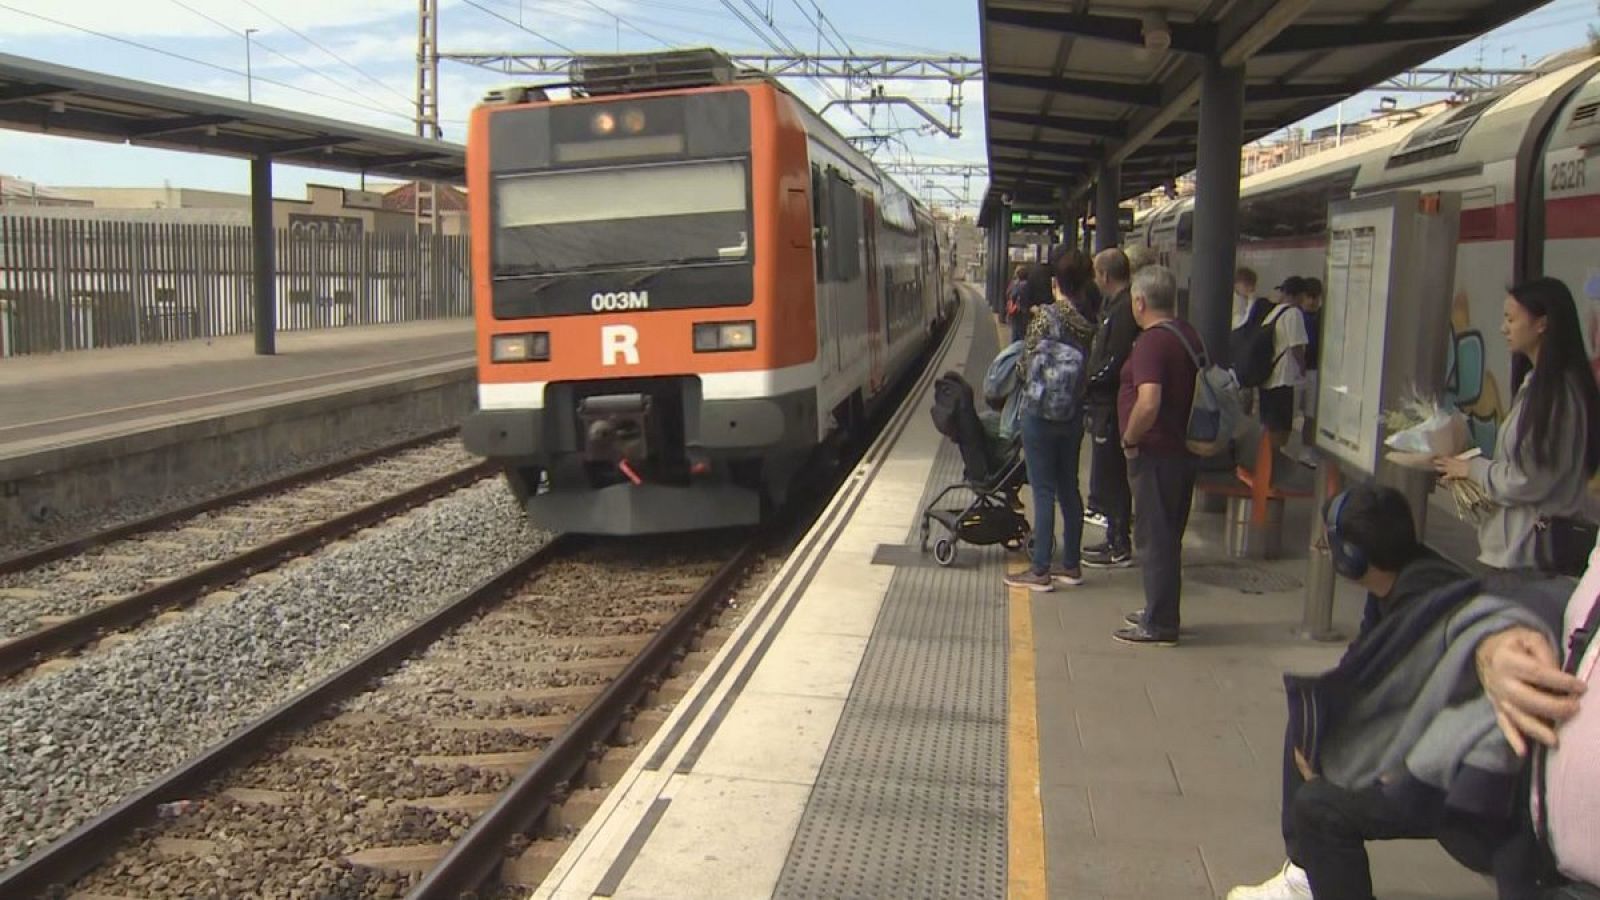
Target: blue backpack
<point>1054,383</point>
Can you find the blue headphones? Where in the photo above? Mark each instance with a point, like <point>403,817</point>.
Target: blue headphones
<point>1349,560</point>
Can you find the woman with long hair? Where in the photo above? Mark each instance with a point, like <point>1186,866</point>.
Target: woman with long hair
<point>1054,354</point>
<point>1548,447</point>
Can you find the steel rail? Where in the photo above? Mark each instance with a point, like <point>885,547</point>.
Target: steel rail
<point>29,649</point>
<point>80,851</point>
<point>477,857</point>
<point>29,559</point>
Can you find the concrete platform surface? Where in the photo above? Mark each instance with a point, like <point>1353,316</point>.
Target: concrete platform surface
<point>48,399</point>
<point>1126,773</point>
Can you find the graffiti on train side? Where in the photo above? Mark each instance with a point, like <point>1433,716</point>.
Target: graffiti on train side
<point>1469,385</point>
<point>1473,388</point>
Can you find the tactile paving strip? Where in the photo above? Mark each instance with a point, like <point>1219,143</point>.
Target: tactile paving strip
<point>911,798</point>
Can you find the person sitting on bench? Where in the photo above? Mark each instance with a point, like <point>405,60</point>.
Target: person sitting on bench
<point>1398,740</point>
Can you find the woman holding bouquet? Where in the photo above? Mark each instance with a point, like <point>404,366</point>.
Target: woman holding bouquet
<point>1548,446</point>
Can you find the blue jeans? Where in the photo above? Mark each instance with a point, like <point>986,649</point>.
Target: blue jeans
<point>1051,451</point>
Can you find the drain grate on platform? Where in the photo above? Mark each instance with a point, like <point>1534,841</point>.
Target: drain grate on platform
<point>911,798</point>
<point>1244,577</point>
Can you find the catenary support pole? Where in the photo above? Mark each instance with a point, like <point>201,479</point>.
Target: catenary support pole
<point>266,275</point>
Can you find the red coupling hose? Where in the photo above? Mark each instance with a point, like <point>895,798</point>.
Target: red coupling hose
<point>628,471</point>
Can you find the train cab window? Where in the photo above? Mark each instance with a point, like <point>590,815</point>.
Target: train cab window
<point>561,222</point>
<point>819,222</point>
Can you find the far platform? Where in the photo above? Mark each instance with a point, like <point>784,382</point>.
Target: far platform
<point>100,434</point>
<point>878,726</point>
<point>56,398</point>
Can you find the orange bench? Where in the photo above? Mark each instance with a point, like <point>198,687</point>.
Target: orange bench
<point>1260,482</point>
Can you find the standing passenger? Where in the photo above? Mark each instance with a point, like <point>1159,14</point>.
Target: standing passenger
<point>1548,447</point>
<point>1155,392</point>
<point>1012,301</point>
<point>1055,352</point>
<point>1108,468</point>
<point>1288,361</point>
<point>1311,305</point>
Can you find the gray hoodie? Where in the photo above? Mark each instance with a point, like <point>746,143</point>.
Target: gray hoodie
<point>1523,494</point>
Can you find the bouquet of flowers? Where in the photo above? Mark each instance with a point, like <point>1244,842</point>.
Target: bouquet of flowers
<point>1418,431</point>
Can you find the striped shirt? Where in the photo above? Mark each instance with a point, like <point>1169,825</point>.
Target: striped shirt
<point>1572,782</point>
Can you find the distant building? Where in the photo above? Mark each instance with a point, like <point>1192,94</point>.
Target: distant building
<point>17,192</point>
<point>325,209</point>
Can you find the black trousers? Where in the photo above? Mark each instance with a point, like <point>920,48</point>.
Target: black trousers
<point>1326,829</point>
<point>1109,491</point>
<point>1163,491</point>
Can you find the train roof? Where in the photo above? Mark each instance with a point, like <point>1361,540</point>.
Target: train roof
<point>1444,143</point>
<point>603,76</point>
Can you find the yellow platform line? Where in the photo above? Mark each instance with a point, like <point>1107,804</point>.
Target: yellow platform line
<point>1025,862</point>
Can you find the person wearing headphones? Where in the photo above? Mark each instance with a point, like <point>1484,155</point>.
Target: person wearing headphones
<point>1372,542</point>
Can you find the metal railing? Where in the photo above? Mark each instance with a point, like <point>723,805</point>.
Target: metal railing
<point>78,284</point>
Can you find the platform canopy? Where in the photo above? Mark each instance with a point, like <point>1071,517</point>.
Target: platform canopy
<point>1071,86</point>
<point>50,99</point>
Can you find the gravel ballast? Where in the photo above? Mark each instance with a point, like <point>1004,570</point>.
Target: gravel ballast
<point>82,582</point>
<point>77,740</point>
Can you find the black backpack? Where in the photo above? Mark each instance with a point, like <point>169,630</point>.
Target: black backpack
<point>1254,344</point>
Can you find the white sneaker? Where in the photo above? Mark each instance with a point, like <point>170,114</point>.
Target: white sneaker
<point>1290,883</point>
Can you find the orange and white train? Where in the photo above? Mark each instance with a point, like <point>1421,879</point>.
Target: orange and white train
<point>1521,160</point>
<point>685,282</point>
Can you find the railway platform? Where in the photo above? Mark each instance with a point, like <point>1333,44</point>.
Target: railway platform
<point>879,726</point>
<point>87,429</point>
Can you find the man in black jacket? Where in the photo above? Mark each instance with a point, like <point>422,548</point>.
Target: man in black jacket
<point>1108,468</point>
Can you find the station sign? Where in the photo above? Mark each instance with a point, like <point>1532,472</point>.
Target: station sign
<point>1033,220</point>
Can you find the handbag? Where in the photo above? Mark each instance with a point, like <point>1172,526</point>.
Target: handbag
<point>1562,545</point>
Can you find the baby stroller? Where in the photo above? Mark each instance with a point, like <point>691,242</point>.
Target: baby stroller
<point>993,473</point>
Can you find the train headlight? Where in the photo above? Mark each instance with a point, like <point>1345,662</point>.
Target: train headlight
<point>716,337</point>
<point>515,348</point>
<point>604,124</point>
<point>633,121</point>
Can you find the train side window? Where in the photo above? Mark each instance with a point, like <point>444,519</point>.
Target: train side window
<point>844,229</point>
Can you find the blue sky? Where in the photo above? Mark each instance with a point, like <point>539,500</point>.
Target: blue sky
<point>360,67</point>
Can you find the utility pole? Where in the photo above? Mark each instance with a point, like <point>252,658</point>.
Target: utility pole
<point>425,208</point>
<point>249,76</point>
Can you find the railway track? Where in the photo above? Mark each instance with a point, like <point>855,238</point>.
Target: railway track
<point>489,717</point>
<point>453,758</point>
<point>63,598</point>
<point>33,557</point>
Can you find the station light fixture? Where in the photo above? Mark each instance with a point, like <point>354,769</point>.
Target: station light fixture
<point>719,337</point>
<point>520,348</point>
<point>1157,34</point>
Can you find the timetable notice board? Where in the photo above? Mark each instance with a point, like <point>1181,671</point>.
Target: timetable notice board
<point>1385,316</point>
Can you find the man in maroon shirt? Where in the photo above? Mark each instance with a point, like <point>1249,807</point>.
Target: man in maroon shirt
<point>1154,396</point>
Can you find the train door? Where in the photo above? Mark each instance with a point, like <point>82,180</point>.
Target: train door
<point>875,341</point>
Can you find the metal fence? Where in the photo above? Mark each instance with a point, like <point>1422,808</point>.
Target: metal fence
<point>75,284</point>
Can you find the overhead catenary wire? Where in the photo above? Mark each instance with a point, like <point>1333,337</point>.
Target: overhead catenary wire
<point>199,62</point>
<point>510,21</point>
<point>336,57</point>
<point>284,56</point>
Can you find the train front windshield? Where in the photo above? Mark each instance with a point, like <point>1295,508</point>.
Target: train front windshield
<point>644,196</point>
<point>551,223</point>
